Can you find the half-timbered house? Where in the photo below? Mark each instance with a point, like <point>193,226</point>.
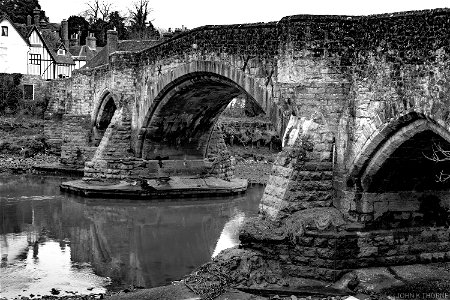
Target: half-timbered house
<point>48,56</point>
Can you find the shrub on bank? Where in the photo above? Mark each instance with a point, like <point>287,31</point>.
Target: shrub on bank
<point>27,146</point>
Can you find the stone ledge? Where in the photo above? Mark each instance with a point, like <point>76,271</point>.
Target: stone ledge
<point>166,187</point>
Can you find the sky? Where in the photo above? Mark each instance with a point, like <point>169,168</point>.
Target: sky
<point>195,13</point>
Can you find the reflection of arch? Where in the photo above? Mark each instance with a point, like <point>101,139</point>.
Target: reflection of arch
<point>183,114</point>
<point>389,139</point>
<point>103,115</point>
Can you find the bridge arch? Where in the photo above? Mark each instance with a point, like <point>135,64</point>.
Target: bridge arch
<point>102,115</point>
<point>395,158</point>
<point>179,119</point>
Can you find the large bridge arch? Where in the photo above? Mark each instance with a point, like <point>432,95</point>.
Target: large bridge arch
<point>181,109</point>
<point>409,138</point>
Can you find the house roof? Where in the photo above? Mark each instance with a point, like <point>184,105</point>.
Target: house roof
<point>52,43</point>
<point>84,52</point>
<point>22,31</point>
<point>50,26</point>
<point>125,45</point>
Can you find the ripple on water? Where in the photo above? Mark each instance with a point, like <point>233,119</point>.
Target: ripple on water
<point>28,198</point>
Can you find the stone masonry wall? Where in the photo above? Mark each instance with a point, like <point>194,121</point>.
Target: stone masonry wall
<point>76,136</point>
<point>53,132</point>
<point>327,255</point>
<point>40,86</point>
<point>298,180</point>
<point>59,94</point>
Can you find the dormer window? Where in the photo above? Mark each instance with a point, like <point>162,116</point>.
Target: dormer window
<point>4,30</point>
<point>61,52</point>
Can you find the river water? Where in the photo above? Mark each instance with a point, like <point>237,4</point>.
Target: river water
<point>51,240</point>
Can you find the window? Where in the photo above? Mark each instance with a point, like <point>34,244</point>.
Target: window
<point>35,59</point>
<point>61,52</point>
<point>4,30</point>
<point>28,92</point>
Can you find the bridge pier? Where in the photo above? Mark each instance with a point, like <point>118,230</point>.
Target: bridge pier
<point>218,154</point>
<point>314,229</point>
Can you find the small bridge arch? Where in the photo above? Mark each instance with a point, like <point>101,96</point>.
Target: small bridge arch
<point>102,115</point>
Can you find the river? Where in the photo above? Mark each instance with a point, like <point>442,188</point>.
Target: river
<point>75,245</point>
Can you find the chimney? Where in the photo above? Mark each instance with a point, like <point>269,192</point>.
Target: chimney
<point>37,16</point>
<point>74,40</point>
<point>91,41</point>
<point>29,20</point>
<point>111,42</point>
<point>65,33</point>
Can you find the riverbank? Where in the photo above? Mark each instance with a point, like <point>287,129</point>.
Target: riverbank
<point>22,144</point>
<point>255,170</point>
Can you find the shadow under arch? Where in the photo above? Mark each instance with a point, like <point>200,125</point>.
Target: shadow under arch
<point>102,116</point>
<point>397,152</point>
<point>180,120</point>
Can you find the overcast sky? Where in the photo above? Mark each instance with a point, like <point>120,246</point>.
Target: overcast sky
<point>194,13</point>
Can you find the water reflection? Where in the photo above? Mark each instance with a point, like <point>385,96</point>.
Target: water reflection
<point>133,242</point>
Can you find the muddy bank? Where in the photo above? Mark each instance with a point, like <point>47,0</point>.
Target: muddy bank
<point>18,164</point>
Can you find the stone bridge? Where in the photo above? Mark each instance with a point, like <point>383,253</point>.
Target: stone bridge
<point>361,102</point>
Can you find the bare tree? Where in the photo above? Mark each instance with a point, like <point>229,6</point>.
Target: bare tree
<point>97,10</point>
<point>140,27</point>
<point>105,10</point>
<point>438,155</point>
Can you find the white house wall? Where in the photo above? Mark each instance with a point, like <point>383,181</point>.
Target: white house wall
<point>13,51</point>
<point>64,70</point>
<point>79,63</point>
